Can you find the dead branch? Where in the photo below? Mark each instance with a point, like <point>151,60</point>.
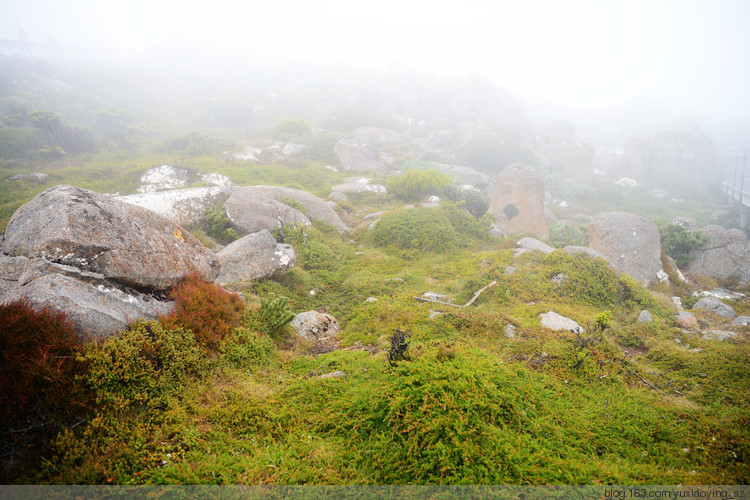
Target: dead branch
<point>478,292</point>
<point>476,295</point>
<point>425,299</point>
<point>643,380</point>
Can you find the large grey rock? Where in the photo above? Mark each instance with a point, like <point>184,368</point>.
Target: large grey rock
<point>376,137</point>
<point>254,256</point>
<point>629,243</point>
<point>517,202</point>
<point>722,335</point>
<point>534,244</point>
<point>338,196</point>
<point>185,207</point>
<point>249,212</point>
<point>636,156</point>
<point>355,155</point>
<point>573,249</point>
<point>11,269</point>
<point>715,306</point>
<point>741,321</point>
<point>565,153</point>
<point>93,232</point>
<point>314,325</point>
<point>95,307</point>
<point>684,153</point>
<point>465,175</point>
<point>555,321</point>
<point>315,208</point>
<point>725,256</point>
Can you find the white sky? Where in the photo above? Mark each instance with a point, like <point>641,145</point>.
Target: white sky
<point>688,55</point>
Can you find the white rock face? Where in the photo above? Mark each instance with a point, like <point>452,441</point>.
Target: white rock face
<point>162,178</point>
<point>169,177</point>
<point>182,206</point>
<point>215,179</point>
<point>358,187</point>
<point>626,182</point>
<point>292,149</point>
<point>249,154</point>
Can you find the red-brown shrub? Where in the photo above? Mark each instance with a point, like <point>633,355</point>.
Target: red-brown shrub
<point>38,352</point>
<point>38,387</point>
<point>207,309</point>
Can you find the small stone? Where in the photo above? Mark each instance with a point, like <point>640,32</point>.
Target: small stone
<point>534,244</point>
<point>741,321</point>
<point>509,270</point>
<point>373,215</point>
<point>435,297</point>
<point>315,325</point>
<point>510,331</point>
<point>644,317</point>
<point>555,321</point>
<point>371,299</point>
<point>685,320</point>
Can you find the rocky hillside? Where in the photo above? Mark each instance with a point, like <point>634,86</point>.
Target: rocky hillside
<point>409,300</point>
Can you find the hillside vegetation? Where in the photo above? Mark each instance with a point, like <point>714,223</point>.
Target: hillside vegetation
<point>410,392</point>
<point>241,401</point>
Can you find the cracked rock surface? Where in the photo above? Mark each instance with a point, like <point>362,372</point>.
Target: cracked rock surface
<point>102,262</point>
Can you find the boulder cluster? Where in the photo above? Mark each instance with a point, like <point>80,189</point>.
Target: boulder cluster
<point>106,261</point>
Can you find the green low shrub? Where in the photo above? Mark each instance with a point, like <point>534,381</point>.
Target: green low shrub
<point>245,348</point>
<point>438,421</point>
<point>216,225</point>
<point>562,234</point>
<point>310,244</point>
<point>146,362</point>
<point>473,200</point>
<point>272,317</point>
<point>428,229</point>
<point>592,280</point>
<point>679,242</point>
<point>414,185</point>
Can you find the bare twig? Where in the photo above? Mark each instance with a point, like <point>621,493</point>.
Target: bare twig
<point>643,380</point>
<point>478,292</point>
<point>425,299</point>
<point>476,295</point>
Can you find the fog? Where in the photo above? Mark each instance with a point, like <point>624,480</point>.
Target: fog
<point>620,64</point>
